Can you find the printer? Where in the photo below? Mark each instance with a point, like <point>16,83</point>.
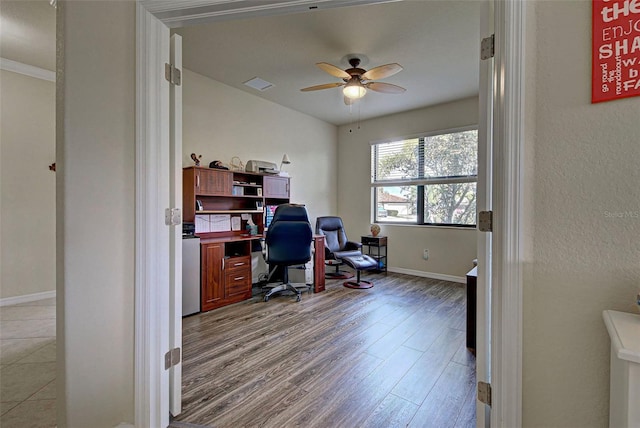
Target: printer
<point>259,166</point>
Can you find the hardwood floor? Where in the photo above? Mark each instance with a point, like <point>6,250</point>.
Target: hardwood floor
<point>390,356</point>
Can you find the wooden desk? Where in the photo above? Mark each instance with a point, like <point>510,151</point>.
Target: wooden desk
<point>472,277</point>
<point>225,266</point>
<point>225,270</point>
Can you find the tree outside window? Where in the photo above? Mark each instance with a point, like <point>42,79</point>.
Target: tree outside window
<point>430,179</point>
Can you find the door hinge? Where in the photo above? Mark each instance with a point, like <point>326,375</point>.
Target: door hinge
<point>485,221</point>
<point>171,358</point>
<point>172,216</point>
<point>487,47</point>
<point>172,74</point>
<point>484,393</point>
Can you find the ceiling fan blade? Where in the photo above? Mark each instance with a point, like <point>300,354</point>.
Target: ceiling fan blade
<point>349,101</point>
<point>386,88</point>
<point>333,70</point>
<point>323,86</point>
<point>382,71</point>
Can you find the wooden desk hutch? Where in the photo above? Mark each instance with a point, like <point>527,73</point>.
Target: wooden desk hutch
<point>226,256</point>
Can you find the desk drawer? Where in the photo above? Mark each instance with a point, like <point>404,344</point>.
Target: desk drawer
<point>374,241</point>
<point>234,263</point>
<point>237,276</point>
<point>238,282</point>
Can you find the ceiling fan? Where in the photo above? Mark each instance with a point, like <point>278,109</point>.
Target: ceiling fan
<point>356,80</point>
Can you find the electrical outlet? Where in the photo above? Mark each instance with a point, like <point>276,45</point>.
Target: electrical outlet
<point>425,254</point>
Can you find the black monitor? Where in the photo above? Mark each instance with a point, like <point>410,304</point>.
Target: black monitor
<point>270,210</point>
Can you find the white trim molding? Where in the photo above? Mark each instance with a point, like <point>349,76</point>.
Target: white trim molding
<point>27,298</point>
<point>179,13</point>
<point>152,129</point>
<point>507,283</point>
<point>27,70</point>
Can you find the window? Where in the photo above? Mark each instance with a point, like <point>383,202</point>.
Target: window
<point>426,180</point>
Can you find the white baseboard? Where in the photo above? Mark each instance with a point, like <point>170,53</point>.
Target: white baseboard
<point>27,298</point>
<point>442,277</point>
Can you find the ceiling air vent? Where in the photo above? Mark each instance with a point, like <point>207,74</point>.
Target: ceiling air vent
<point>259,84</point>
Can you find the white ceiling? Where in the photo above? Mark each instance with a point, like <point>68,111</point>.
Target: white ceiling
<point>437,43</point>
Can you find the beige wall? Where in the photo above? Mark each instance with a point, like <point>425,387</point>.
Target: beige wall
<point>220,122</point>
<point>584,258</point>
<point>96,185</point>
<point>451,250</point>
<point>27,148</point>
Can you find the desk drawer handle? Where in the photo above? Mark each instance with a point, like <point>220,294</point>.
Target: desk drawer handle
<point>239,264</point>
<point>238,278</point>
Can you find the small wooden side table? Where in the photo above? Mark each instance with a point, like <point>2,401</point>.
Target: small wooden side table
<point>376,249</point>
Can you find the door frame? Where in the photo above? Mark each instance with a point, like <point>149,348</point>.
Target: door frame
<point>151,330</point>
<point>508,225</point>
<point>508,127</point>
<point>484,202</point>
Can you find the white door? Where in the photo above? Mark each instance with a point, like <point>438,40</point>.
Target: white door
<point>154,309</point>
<point>484,203</point>
<point>175,246</point>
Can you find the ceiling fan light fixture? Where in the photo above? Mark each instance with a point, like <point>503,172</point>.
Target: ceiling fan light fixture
<point>354,89</point>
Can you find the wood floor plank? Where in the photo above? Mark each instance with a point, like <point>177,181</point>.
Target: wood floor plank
<point>393,412</point>
<point>419,322</point>
<point>464,356</point>
<point>444,402</point>
<point>425,373</point>
<point>423,338</point>
<point>354,408</point>
<point>340,358</point>
<point>467,415</point>
<point>311,411</point>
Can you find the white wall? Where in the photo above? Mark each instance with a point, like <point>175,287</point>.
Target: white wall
<point>582,258</point>
<point>220,122</point>
<point>96,184</point>
<point>451,250</point>
<point>27,148</point>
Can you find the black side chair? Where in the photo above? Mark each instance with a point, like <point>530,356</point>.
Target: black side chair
<point>337,245</point>
<point>288,243</point>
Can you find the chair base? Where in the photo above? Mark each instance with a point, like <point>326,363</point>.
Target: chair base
<point>341,274</point>
<point>361,285</point>
<point>285,287</point>
<point>337,274</point>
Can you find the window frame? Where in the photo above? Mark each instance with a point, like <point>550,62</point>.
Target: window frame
<point>420,182</point>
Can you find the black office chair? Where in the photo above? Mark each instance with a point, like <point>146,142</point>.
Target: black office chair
<point>337,245</point>
<point>288,243</point>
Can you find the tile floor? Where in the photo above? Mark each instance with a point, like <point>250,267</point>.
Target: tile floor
<point>28,365</point>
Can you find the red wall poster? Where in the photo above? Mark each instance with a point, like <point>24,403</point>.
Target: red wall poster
<point>616,50</point>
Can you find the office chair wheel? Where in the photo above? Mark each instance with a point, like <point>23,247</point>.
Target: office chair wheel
<point>266,298</point>
<point>298,298</point>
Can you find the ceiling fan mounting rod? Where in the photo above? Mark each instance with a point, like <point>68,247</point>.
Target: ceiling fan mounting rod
<point>354,71</point>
